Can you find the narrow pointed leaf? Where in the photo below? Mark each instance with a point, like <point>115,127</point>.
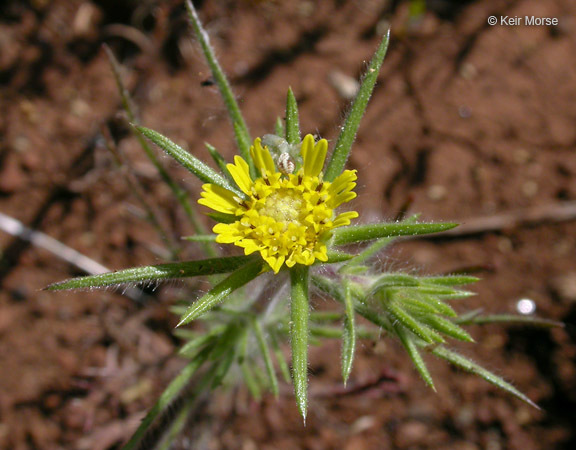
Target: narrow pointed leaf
<point>222,217</point>
<point>359,233</point>
<point>373,249</point>
<point>168,271</point>
<point>243,142</point>
<point>204,172</point>
<point>352,122</point>
<point>454,295</point>
<point>279,127</point>
<point>325,316</point>
<point>240,128</point>
<point>447,327</point>
<point>472,367</point>
<point>441,307</point>
<point>176,427</point>
<point>299,312</point>
<point>349,334</point>
<point>394,279</point>
<point>247,374</point>
<point>167,397</point>
<point>419,305</point>
<point>292,120</point>
<point>419,329</point>
<point>178,192</point>
<point>412,349</point>
<point>325,332</point>
<point>336,257</point>
<point>507,319</point>
<point>331,288</point>
<point>200,238</point>
<point>219,160</point>
<point>266,356</point>
<point>222,367</point>
<point>219,292</point>
<point>280,359</point>
<point>450,280</point>
<point>192,346</point>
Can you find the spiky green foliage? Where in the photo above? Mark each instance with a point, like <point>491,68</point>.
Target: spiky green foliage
<point>242,321</point>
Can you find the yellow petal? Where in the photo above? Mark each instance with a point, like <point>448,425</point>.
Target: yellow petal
<point>344,219</point>
<point>219,199</point>
<point>314,161</point>
<point>343,182</point>
<point>261,156</point>
<point>241,174</point>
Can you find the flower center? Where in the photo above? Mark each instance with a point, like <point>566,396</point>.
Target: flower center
<point>284,206</point>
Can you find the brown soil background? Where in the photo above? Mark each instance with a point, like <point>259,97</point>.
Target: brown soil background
<point>467,121</point>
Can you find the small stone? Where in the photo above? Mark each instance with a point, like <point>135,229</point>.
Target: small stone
<point>468,71</point>
<point>346,86</point>
<point>530,188</point>
<point>436,192</point>
<point>11,177</point>
<point>564,286</point>
<point>362,424</point>
<point>522,156</point>
<point>411,433</point>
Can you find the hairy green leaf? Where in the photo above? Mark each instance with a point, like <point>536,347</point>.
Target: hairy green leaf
<point>299,312</point>
<point>359,233</point>
<point>472,367</point>
<point>219,292</point>
<point>159,272</point>
<point>349,334</point>
<point>292,121</point>
<point>188,161</point>
<point>352,122</point>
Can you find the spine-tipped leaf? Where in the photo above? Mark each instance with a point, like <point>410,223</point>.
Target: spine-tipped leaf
<point>167,397</point>
<point>350,128</point>
<point>349,334</point>
<point>408,342</point>
<point>168,271</point>
<point>219,292</point>
<point>266,356</point>
<point>358,233</point>
<point>472,367</point>
<point>240,128</point>
<point>292,120</point>
<point>204,172</point>
<point>419,329</point>
<point>447,327</point>
<point>299,312</point>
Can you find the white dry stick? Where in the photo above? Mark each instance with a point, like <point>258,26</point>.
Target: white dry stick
<point>16,228</point>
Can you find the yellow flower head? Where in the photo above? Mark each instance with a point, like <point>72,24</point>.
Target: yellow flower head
<point>287,217</point>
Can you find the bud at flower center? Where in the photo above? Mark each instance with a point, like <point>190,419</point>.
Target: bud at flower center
<point>284,206</point>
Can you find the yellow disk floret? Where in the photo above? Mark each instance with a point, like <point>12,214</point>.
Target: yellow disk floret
<point>287,217</point>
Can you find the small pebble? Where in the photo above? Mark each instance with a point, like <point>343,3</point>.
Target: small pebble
<point>346,86</point>
<point>436,192</point>
<point>530,188</point>
<point>564,286</point>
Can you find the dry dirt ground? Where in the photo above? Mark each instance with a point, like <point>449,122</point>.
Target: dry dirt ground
<point>468,122</point>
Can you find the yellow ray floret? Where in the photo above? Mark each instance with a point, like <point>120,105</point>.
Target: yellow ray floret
<point>286,218</point>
